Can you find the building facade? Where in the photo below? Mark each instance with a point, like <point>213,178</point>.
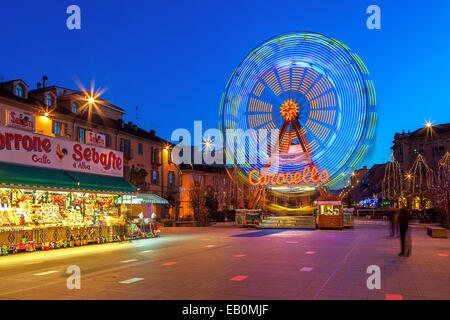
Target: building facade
<point>357,176</point>
<point>431,141</point>
<point>367,187</point>
<point>211,181</point>
<point>77,116</point>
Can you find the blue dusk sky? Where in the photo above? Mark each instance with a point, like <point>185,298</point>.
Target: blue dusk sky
<point>174,58</point>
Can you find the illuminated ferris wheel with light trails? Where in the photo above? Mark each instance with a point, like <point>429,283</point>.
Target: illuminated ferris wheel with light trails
<point>317,93</point>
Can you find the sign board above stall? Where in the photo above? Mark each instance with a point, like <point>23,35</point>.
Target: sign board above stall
<point>21,120</point>
<point>21,147</point>
<point>95,139</point>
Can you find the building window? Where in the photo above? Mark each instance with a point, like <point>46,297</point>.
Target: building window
<point>155,177</point>
<point>438,150</point>
<point>124,145</point>
<point>171,179</point>
<point>140,148</point>
<point>155,155</point>
<point>125,148</point>
<point>108,140</point>
<point>19,90</point>
<point>58,128</point>
<point>48,100</point>
<point>74,107</point>
<point>82,135</point>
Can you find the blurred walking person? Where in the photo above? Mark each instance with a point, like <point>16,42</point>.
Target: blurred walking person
<point>405,239</point>
<point>394,222</point>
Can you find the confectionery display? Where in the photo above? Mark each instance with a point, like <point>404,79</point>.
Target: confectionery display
<point>44,220</point>
<point>21,208</point>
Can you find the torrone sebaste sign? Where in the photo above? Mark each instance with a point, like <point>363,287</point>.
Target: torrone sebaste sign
<point>22,147</point>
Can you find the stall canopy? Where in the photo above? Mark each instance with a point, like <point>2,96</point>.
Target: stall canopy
<point>144,198</point>
<point>152,198</point>
<point>98,183</point>
<point>12,175</point>
<point>18,176</point>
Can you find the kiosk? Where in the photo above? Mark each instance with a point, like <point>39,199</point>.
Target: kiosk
<point>329,213</point>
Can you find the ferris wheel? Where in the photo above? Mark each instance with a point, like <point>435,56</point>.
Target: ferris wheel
<point>316,92</point>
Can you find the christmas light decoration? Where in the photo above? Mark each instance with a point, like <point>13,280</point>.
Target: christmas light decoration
<point>393,181</point>
<point>421,176</point>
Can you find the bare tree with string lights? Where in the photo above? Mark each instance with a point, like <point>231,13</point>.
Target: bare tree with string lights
<point>419,179</point>
<point>393,181</point>
<point>440,189</point>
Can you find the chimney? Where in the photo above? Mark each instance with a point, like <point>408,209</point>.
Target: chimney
<point>44,81</point>
<point>135,127</point>
<point>38,85</point>
<point>152,132</point>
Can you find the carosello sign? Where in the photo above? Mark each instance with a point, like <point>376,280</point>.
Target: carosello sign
<point>21,147</point>
<point>307,176</point>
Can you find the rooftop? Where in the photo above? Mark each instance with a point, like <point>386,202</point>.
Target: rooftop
<point>437,130</point>
<point>64,94</point>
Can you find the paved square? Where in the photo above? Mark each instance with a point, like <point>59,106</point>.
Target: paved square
<point>239,278</point>
<point>180,266</point>
<point>306,269</point>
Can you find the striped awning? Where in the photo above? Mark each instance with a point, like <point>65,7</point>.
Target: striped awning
<point>144,198</point>
<point>152,198</point>
<point>26,177</point>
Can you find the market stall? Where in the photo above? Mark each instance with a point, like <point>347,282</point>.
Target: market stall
<point>139,208</point>
<point>248,218</point>
<point>57,193</point>
<point>329,212</point>
<point>39,218</point>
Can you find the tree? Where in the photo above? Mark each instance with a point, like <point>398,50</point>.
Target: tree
<point>392,187</point>
<point>211,202</point>
<point>420,179</point>
<point>196,194</point>
<point>439,192</point>
<point>137,176</point>
<point>171,197</point>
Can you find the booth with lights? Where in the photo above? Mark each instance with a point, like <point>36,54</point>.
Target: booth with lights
<point>57,193</point>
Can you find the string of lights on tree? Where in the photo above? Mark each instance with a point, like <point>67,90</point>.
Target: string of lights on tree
<point>392,186</point>
<point>420,176</point>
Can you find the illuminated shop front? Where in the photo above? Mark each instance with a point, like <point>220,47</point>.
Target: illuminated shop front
<point>58,193</point>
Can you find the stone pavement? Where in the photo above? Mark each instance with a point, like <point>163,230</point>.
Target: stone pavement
<point>224,262</point>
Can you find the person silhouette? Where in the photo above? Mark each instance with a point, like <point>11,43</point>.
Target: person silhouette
<point>403,221</point>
